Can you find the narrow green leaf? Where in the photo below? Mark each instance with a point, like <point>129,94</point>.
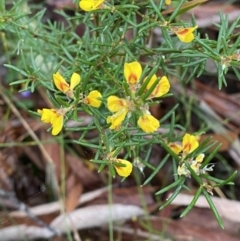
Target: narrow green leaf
<point>157,169</point>
<point>227,181</point>
<point>101,167</point>
<point>61,101</point>
<point>174,184</point>
<point>105,162</point>
<point>157,10</point>
<point>83,143</point>
<point>213,208</point>
<point>16,69</point>
<point>176,11</point>
<point>212,154</point>
<point>173,196</point>
<point>112,171</point>
<point>214,179</point>
<point>192,203</point>
<point>169,113</point>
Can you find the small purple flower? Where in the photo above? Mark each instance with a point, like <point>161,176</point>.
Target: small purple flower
<point>25,93</point>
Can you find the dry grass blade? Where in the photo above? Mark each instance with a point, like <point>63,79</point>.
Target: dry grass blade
<point>95,216</point>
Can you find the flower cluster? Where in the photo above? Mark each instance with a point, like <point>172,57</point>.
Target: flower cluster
<point>189,144</point>
<point>56,116</point>
<point>121,107</point>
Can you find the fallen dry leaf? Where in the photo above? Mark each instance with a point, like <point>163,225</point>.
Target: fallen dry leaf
<point>74,190</point>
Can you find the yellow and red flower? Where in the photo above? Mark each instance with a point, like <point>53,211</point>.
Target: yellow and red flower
<point>90,5</point>
<point>94,99</point>
<point>118,106</point>
<point>148,123</point>
<point>189,144</point>
<point>55,117</point>
<point>63,86</point>
<point>132,72</point>
<point>185,35</point>
<point>161,88</point>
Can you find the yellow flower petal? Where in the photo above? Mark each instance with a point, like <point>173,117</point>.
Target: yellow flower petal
<point>132,72</point>
<point>189,143</point>
<point>46,115</point>
<point>124,171</point>
<point>90,5</point>
<point>94,98</point>
<point>200,158</point>
<point>117,119</point>
<point>115,103</point>
<point>195,166</point>
<point>161,88</point>
<point>175,147</point>
<point>185,34</point>
<point>60,83</point>
<point>40,112</point>
<point>151,81</point>
<point>57,124</point>
<point>148,123</point>
<point>75,80</point>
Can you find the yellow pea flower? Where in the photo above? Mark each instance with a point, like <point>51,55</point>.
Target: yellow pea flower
<point>161,88</point>
<point>185,34</point>
<point>54,117</point>
<point>90,5</point>
<point>117,119</point>
<point>168,2</point>
<point>94,99</point>
<point>121,107</point>
<point>132,72</point>
<point>63,86</point>
<point>123,171</point>
<point>148,123</point>
<point>189,144</point>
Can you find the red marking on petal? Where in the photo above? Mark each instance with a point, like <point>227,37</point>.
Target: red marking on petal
<point>187,147</point>
<point>62,85</point>
<point>132,79</point>
<point>183,31</point>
